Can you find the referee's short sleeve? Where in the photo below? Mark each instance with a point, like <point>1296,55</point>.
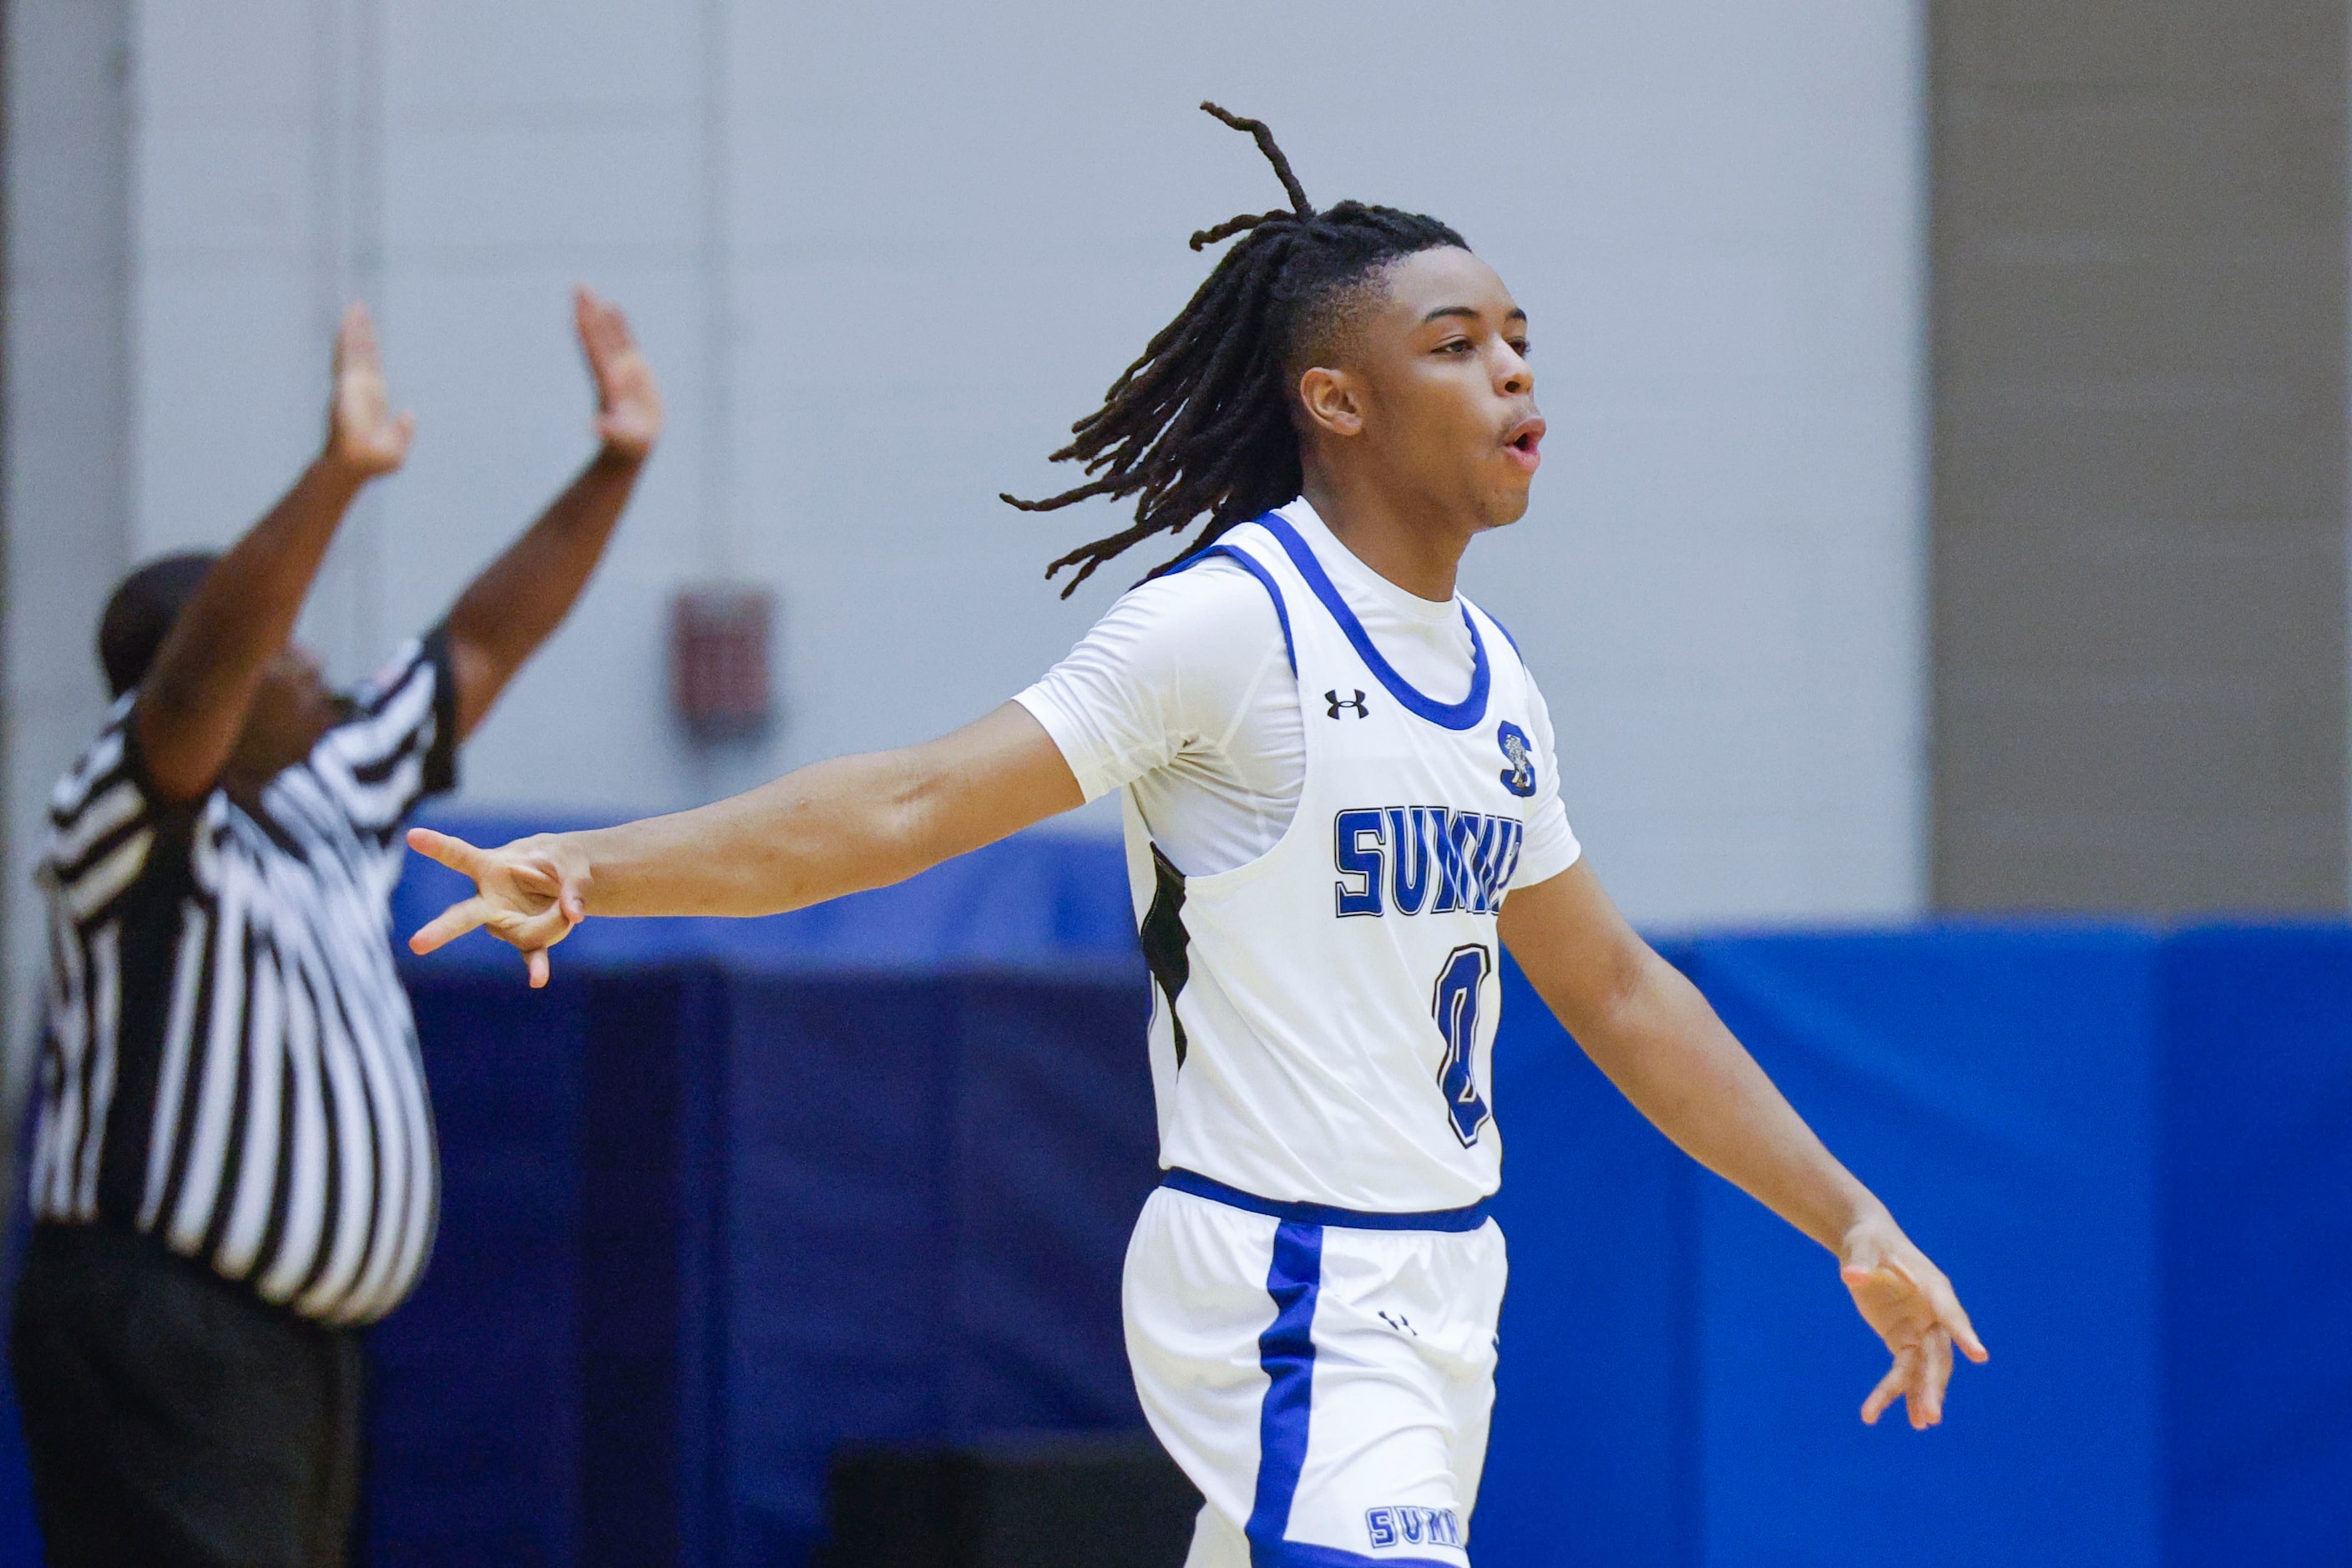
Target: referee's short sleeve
<point>399,746</point>
<point>441,753</point>
<point>107,832</point>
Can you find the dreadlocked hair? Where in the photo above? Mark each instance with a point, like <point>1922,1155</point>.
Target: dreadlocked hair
<point>1203,422</point>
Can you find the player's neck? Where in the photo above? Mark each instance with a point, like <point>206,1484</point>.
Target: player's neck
<point>1418,548</point>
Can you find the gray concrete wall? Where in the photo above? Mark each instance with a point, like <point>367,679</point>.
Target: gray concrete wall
<point>883,259</point>
<point>63,444</point>
<point>2139,305</point>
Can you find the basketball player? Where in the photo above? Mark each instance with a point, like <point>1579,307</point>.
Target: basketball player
<point>1340,793</point>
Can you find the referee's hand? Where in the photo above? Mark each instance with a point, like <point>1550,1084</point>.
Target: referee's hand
<point>629,402</point>
<point>364,437</point>
<point>529,893</point>
<point>1911,1304</point>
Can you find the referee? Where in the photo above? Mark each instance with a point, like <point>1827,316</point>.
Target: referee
<point>233,1166</point>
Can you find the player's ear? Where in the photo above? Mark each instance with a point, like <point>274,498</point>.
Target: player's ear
<point>1330,400</point>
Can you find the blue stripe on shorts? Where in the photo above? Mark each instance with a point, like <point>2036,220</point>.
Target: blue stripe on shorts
<point>1286,1352</point>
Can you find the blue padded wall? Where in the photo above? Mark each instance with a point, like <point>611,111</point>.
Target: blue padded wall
<point>20,1537</point>
<point>728,1195</point>
<point>1997,1088</point>
<point>1596,1443</point>
<point>707,1226</point>
<point>1682,1372</point>
<point>2257,1265</point>
<point>475,1448</point>
<point>932,1188</point>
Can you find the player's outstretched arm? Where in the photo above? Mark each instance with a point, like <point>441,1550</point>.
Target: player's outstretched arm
<point>521,598</point>
<point>835,827</point>
<point>1661,1044</point>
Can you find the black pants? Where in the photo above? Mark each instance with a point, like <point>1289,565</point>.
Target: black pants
<point>174,1419</point>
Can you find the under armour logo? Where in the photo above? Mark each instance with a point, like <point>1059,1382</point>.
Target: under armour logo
<point>1356,702</point>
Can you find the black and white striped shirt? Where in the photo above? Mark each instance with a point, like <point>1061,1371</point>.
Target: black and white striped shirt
<point>230,1061</point>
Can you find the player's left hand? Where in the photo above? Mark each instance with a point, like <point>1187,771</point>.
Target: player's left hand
<point>628,402</point>
<point>1911,1305</point>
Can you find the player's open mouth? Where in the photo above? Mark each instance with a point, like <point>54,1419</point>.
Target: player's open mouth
<point>1523,441</point>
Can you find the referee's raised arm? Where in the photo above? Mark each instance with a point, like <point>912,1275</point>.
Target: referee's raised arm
<point>508,611</point>
<point>235,1170</point>
<point>193,706</point>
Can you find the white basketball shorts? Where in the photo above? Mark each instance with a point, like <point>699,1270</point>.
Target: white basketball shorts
<point>1323,1377</point>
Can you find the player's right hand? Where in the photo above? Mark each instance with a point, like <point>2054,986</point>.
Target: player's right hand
<point>529,893</point>
<point>364,436</point>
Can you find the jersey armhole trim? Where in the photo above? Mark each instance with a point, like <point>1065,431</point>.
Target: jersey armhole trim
<point>1273,590</point>
<point>1500,628</point>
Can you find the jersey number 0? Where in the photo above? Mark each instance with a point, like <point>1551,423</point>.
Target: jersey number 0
<point>1459,986</point>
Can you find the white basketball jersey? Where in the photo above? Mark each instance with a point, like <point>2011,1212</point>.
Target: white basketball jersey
<point>1324,1015</point>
